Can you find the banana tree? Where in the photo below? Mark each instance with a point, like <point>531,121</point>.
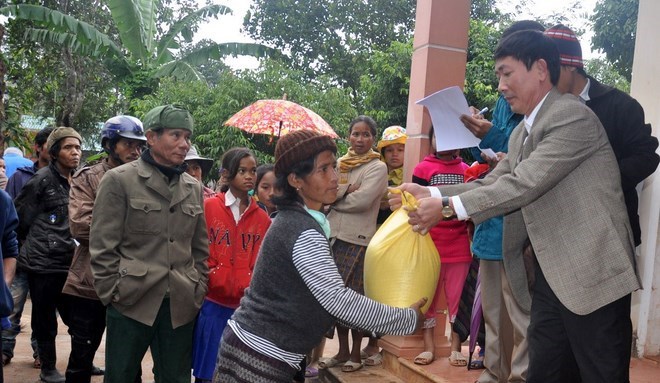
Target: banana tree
<point>140,49</point>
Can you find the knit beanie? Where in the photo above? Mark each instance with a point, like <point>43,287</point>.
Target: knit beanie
<point>60,133</point>
<point>570,52</point>
<point>299,146</point>
<point>168,117</point>
<point>392,135</point>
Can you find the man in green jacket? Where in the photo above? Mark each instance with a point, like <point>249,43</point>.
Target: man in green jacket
<point>149,246</point>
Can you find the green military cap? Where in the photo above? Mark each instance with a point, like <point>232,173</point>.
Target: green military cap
<point>168,117</point>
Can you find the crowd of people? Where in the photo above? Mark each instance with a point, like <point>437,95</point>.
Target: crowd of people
<point>241,283</point>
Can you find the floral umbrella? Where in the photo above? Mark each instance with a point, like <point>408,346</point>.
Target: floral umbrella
<point>277,118</point>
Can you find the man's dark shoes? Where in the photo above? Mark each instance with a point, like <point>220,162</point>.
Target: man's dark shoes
<point>5,359</point>
<point>97,371</point>
<point>51,376</point>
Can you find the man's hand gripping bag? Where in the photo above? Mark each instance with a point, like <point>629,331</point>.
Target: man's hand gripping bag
<point>401,266</point>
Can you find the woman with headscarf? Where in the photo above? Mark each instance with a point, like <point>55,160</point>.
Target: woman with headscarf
<point>362,183</point>
<point>296,292</point>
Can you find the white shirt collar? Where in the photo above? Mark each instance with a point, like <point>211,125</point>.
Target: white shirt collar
<point>585,92</point>
<point>529,120</point>
<point>233,203</point>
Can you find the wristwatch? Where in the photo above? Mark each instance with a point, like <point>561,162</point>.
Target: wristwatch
<point>447,210</point>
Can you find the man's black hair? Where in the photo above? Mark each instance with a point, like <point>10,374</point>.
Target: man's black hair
<point>42,136</point>
<point>530,46</point>
<point>523,25</point>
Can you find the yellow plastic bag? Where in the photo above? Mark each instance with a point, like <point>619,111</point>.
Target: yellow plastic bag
<point>401,266</point>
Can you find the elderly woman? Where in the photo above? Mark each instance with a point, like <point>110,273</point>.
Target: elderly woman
<point>296,292</point>
<point>199,167</point>
<point>362,183</point>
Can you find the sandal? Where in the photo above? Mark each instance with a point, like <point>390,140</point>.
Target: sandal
<point>37,363</point>
<point>329,362</point>
<point>351,366</point>
<point>374,360</point>
<point>477,364</point>
<point>311,372</point>
<point>424,358</point>
<point>457,359</point>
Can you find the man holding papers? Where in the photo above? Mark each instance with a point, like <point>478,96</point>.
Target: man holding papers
<point>556,191</point>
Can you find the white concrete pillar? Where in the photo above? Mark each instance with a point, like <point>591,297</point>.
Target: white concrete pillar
<point>645,88</point>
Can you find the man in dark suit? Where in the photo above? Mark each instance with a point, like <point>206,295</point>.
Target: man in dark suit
<point>557,191</point>
<point>621,115</point>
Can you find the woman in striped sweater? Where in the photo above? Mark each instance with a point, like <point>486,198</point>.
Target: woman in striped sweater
<point>296,293</point>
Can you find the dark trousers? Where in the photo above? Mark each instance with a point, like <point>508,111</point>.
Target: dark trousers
<point>565,347</point>
<point>47,300</point>
<point>127,341</point>
<point>2,379</point>
<point>19,292</point>
<point>86,325</point>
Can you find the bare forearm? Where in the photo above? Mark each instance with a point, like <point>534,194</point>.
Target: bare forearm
<point>9,265</point>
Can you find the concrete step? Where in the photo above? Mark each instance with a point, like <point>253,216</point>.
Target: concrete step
<point>393,370</point>
<point>367,374</point>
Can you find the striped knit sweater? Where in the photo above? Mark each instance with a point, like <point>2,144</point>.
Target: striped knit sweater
<point>296,294</point>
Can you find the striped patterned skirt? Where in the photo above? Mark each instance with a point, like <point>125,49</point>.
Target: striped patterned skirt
<point>238,363</point>
<point>350,262</point>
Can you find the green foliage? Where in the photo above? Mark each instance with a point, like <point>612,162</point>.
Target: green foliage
<point>331,37</point>
<point>82,61</point>
<point>615,27</point>
<point>384,86</point>
<point>480,82</point>
<point>603,71</point>
<point>50,81</point>
<point>211,106</point>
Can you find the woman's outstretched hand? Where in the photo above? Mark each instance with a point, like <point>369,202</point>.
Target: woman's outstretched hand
<point>417,306</point>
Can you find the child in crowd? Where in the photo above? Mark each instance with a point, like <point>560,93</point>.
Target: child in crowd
<point>265,187</point>
<point>392,148</point>
<point>236,227</point>
<point>452,240</point>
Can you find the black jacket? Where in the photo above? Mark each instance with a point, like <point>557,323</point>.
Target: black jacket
<point>634,146</point>
<point>43,216</point>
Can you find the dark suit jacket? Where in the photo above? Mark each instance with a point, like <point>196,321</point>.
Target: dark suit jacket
<point>631,139</point>
<point>558,189</point>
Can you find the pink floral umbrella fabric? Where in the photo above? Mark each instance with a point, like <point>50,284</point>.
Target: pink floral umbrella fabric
<point>277,118</point>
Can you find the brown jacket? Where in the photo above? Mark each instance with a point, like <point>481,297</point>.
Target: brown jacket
<point>84,184</point>
<point>148,241</point>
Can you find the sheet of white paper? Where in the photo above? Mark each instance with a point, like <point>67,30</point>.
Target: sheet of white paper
<point>445,108</point>
<point>489,153</point>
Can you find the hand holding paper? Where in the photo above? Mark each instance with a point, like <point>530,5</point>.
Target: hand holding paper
<point>446,107</point>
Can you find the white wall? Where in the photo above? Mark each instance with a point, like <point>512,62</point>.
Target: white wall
<point>645,88</point>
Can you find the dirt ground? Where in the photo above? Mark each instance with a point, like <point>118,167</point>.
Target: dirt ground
<point>20,370</point>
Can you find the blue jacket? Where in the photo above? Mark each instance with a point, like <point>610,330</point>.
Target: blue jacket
<point>19,179</point>
<point>8,249</point>
<point>15,161</point>
<point>487,240</point>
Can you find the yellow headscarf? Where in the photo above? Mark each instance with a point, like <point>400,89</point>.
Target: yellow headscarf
<point>352,160</point>
<point>392,135</point>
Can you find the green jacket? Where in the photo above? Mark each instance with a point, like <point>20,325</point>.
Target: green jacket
<point>147,241</point>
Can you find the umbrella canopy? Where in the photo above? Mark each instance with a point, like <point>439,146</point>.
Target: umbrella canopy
<point>277,118</point>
